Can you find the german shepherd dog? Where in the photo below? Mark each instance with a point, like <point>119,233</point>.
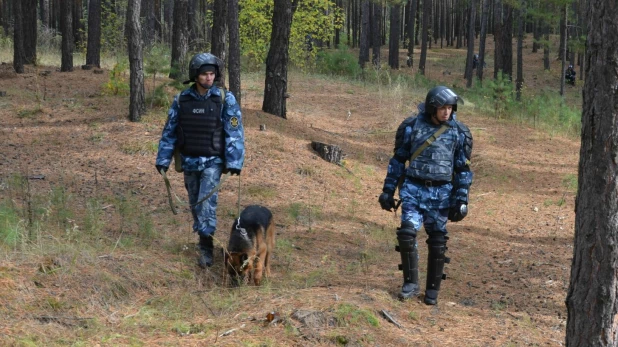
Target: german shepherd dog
<point>251,244</point>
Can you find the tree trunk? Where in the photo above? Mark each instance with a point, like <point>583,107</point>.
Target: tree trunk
<point>425,36</point>
<point>563,44</point>
<point>328,152</point>
<point>93,53</point>
<point>276,82</point>
<point>546,64</point>
<point>180,44</point>
<point>18,34</point>
<point>592,296</point>
<point>148,14</point>
<point>376,40</point>
<point>482,38</point>
<point>363,56</point>
<point>411,25</point>
<point>137,104</point>
<point>519,83</point>
<point>507,41</point>
<point>29,30</point>
<point>469,74</point>
<point>234,58</point>
<point>78,27</point>
<point>393,40</point>
<point>66,29</point>
<point>219,34</point>
<point>498,40</point>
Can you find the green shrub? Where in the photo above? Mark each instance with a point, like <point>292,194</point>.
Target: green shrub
<point>340,62</point>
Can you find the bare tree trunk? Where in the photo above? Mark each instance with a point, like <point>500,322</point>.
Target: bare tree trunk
<point>498,40</point>
<point>412,19</point>
<point>471,21</point>
<point>137,104</point>
<point>507,41</point>
<point>234,57</point>
<point>591,301</point>
<point>425,36</point>
<point>44,10</point>
<point>219,34</point>
<point>180,42</point>
<point>393,40</point>
<point>29,30</point>
<point>66,28</point>
<point>276,83</point>
<point>520,49</point>
<point>546,64</point>
<point>149,18</point>
<point>363,55</point>
<point>376,40</point>
<point>563,44</point>
<point>18,40</point>
<point>482,38</point>
<point>93,53</point>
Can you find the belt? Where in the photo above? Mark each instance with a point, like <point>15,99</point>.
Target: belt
<point>427,183</point>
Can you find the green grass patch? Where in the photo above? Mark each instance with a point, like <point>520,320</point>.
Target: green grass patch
<point>351,315</point>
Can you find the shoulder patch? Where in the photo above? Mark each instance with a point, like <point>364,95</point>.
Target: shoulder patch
<point>234,122</point>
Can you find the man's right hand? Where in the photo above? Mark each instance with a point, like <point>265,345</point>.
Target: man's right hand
<point>387,201</point>
<point>161,167</point>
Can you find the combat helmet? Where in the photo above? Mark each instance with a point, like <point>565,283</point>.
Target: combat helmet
<point>200,60</point>
<point>440,96</point>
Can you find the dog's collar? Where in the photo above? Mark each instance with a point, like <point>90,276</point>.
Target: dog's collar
<point>242,231</point>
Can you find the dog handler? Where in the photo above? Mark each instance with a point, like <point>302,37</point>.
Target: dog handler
<point>205,124</point>
<point>432,189</point>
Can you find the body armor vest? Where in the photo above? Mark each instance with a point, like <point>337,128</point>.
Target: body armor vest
<point>435,163</point>
<point>200,130</point>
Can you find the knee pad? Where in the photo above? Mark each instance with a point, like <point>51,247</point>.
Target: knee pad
<point>437,238</point>
<point>406,231</point>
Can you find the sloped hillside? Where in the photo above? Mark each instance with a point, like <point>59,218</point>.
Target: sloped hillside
<point>99,259</point>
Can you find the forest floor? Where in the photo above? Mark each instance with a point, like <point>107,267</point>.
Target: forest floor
<point>106,263</point>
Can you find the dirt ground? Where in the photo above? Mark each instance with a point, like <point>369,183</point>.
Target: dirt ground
<point>133,279</point>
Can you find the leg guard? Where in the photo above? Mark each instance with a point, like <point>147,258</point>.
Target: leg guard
<point>205,248</point>
<point>435,266</point>
<point>406,236</point>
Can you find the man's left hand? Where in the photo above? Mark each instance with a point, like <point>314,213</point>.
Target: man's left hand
<point>232,171</point>
<point>458,212</point>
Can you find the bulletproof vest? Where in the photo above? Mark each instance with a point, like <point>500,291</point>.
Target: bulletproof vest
<point>200,130</point>
<point>435,163</point>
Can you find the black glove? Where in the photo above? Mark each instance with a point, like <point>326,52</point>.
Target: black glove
<point>232,171</point>
<point>161,167</point>
<point>387,201</point>
<point>458,212</point>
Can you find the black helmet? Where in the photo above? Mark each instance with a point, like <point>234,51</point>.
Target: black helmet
<point>440,96</point>
<point>200,60</point>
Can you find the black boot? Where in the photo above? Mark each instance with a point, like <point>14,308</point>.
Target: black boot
<point>205,248</point>
<point>435,275</point>
<point>409,266</point>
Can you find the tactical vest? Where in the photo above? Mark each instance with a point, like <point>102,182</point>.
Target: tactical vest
<point>435,163</point>
<point>200,130</point>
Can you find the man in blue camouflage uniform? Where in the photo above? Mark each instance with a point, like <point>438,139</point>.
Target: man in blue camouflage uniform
<point>205,124</point>
<point>432,189</point>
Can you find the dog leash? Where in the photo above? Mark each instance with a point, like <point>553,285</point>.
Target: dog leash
<point>214,190</point>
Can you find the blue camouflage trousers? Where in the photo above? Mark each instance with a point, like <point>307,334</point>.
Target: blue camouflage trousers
<point>199,184</point>
<point>426,206</point>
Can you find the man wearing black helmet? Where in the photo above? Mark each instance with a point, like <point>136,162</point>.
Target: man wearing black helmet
<point>569,75</point>
<point>432,189</point>
<point>205,125</point>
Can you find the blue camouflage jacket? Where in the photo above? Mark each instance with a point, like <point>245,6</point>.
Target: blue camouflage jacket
<point>456,141</point>
<point>233,130</point>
